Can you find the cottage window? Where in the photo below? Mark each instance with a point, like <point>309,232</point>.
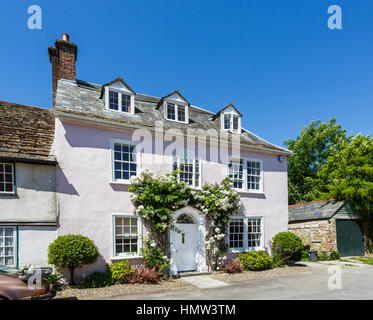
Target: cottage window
<point>253,175</point>
<point>125,161</point>
<point>190,172</point>
<point>247,174</point>
<point>231,121</point>
<point>235,172</point>
<point>236,233</point>
<point>245,233</point>
<point>127,235</point>
<point>120,101</point>
<point>176,112</point>
<point>6,178</point>
<point>7,246</point>
<point>254,232</point>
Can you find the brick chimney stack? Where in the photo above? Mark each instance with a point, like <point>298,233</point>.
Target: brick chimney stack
<point>63,58</point>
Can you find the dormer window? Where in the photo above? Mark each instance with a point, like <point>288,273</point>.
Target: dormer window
<point>174,107</point>
<point>230,118</point>
<point>175,112</point>
<point>119,101</point>
<point>118,96</point>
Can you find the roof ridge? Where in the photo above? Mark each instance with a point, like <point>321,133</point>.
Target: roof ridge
<point>304,203</point>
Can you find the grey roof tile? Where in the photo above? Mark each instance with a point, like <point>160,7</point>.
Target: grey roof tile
<point>82,98</point>
<point>314,210</point>
<point>26,132</point>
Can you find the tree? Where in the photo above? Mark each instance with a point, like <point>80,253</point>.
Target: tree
<point>311,150</point>
<point>72,251</point>
<point>348,175</point>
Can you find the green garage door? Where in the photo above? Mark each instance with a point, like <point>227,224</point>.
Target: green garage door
<point>350,238</point>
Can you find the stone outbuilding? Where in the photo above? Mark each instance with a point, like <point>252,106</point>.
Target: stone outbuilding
<point>328,225</point>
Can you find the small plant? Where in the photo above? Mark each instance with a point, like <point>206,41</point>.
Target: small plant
<point>154,256</point>
<point>306,253</point>
<point>55,279</point>
<point>255,260</point>
<point>143,275</point>
<point>278,260</point>
<point>120,271</point>
<point>232,266</point>
<point>334,255</point>
<point>98,280</point>
<point>288,246</point>
<point>323,256</point>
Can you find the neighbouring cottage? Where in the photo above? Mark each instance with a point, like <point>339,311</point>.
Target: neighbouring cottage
<point>28,219</point>
<point>328,225</point>
<point>106,134</point>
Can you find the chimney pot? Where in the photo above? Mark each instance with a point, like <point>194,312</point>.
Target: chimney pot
<point>65,37</point>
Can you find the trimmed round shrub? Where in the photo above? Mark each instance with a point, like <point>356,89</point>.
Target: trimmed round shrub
<point>72,251</point>
<point>255,260</point>
<point>98,280</point>
<point>120,271</point>
<point>288,245</point>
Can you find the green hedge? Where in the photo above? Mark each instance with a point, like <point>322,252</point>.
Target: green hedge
<point>255,260</point>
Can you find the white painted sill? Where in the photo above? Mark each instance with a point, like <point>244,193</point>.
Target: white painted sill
<point>250,192</point>
<point>116,258</point>
<point>122,182</point>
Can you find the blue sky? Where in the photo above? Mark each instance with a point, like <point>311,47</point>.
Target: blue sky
<point>277,61</point>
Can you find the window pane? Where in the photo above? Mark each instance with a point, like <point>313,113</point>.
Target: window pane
<point>113,100</point>
<point>236,233</point>
<point>188,173</point>
<point>171,111</point>
<point>6,178</point>
<point>253,175</point>
<point>126,235</point>
<point>7,249</point>
<point>235,123</point>
<point>126,103</point>
<point>254,232</point>
<point>125,164</point>
<point>181,113</point>
<point>235,172</point>
<point>227,121</point>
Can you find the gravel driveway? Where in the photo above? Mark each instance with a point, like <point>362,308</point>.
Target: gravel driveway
<point>171,285</point>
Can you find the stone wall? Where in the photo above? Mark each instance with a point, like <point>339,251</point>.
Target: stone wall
<point>320,235</point>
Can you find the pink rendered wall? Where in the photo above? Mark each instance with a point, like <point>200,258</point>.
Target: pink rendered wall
<point>87,200</point>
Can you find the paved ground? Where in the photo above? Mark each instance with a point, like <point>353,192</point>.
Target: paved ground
<point>357,283</point>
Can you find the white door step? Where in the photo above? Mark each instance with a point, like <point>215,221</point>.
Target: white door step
<point>204,282</point>
<point>192,273</point>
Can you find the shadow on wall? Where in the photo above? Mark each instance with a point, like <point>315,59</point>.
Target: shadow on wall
<point>63,184</point>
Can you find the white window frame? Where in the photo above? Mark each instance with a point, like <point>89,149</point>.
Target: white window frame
<point>194,170</point>
<point>138,159</point>
<point>120,92</point>
<point>245,180</point>
<point>177,104</point>
<point>15,248</point>
<point>121,256</point>
<point>232,114</point>
<point>245,247</point>
<point>13,179</point>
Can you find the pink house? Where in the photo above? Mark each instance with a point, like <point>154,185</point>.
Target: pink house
<point>107,133</point>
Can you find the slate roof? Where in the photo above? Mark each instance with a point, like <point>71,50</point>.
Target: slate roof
<point>26,133</point>
<point>316,210</point>
<point>82,99</point>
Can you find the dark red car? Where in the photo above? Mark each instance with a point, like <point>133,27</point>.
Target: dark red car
<point>14,285</point>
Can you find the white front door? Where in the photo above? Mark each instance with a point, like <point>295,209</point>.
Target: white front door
<point>185,245</point>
